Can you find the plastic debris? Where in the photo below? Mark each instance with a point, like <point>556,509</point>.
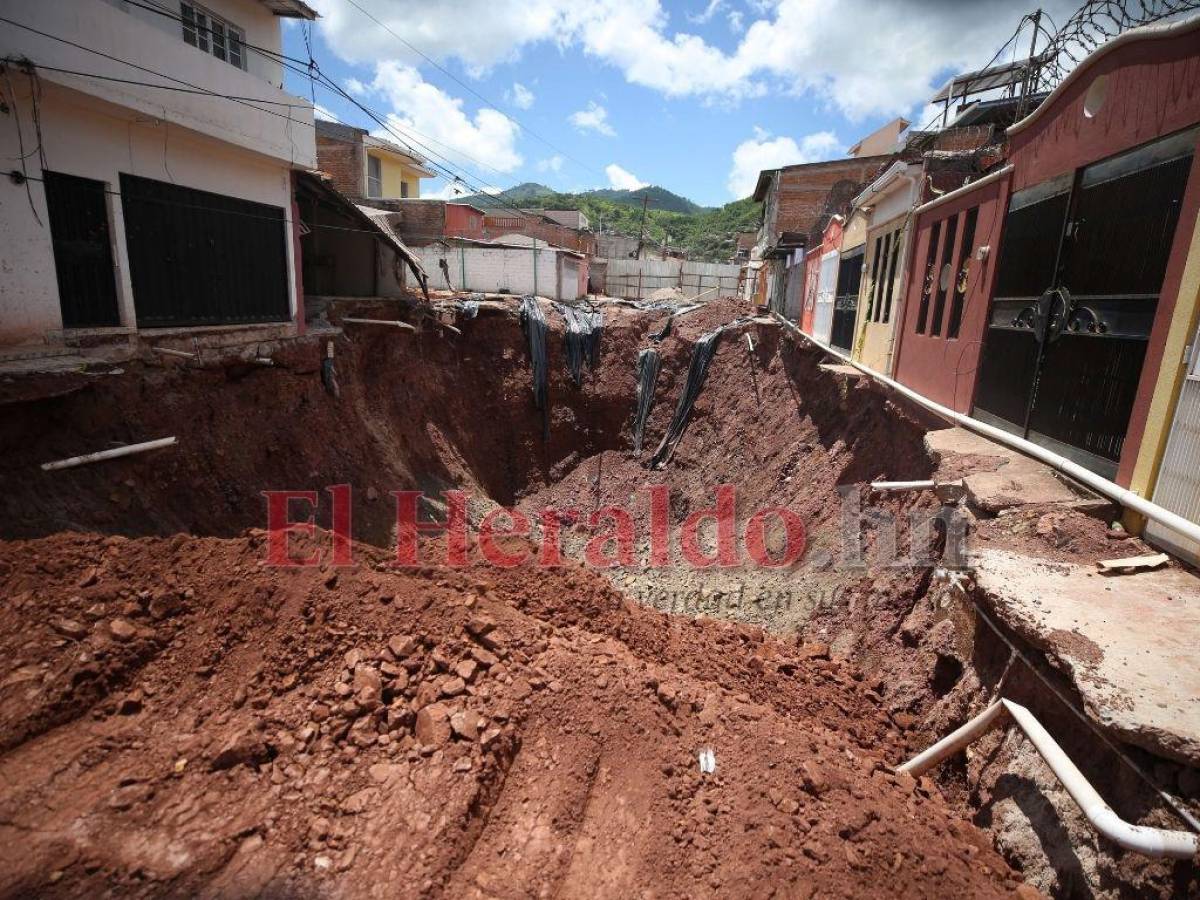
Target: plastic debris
<point>648,364</point>
<point>708,761</point>
<point>582,338</point>
<point>533,323</point>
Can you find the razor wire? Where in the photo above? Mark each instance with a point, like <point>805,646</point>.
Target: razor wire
<point>1095,23</point>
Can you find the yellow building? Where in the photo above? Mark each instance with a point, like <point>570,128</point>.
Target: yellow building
<point>392,173</point>
<point>1166,467</point>
<point>364,167</point>
<point>887,204</point>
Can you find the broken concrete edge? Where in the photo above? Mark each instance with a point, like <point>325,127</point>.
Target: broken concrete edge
<point>1074,671</point>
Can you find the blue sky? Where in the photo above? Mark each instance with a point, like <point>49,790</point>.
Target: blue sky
<point>693,95</point>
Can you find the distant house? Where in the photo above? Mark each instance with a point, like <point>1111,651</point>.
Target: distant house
<point>881,141</point>
<point>743,243</point>
<point>798,202</point>
<point>427,221</point>
<point>133,207</point>
<point>572,218</point>
<point>363,166</point>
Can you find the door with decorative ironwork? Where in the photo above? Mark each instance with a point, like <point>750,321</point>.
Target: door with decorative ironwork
<point>845,301</point>
<point>1077,287</point>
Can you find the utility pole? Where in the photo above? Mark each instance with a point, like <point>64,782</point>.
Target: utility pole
<point>642,229</point>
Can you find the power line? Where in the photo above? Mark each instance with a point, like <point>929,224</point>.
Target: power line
<point>472,90</point>
<point>447,171</point>
<point>146,70</point>
<point>306,69</point>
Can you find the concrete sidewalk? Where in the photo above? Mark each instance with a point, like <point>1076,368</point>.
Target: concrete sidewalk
<point>1127,643</point>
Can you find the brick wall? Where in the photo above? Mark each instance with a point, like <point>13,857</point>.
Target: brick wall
<point>803,193</point>
<point>343,162</point>
<point>419,221</point>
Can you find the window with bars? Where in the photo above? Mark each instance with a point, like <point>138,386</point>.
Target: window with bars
<point>212,34</point>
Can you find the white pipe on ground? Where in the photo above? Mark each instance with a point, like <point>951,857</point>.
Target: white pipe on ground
<point>1140,838</point>
<point>393,322</point>
<point>1100,485</point>
<point>128,450</point>
<point>169,352</point>
<point>903,485</point>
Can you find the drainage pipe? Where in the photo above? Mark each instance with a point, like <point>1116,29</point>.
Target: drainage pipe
<point>903,485</point>
<point>1158,842</point>
<point>1112,490</point>
<point>101,455</point>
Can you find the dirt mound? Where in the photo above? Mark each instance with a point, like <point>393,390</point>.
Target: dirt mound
<point>179,719</point>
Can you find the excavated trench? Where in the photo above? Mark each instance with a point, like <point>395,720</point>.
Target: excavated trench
<point>219,725</point>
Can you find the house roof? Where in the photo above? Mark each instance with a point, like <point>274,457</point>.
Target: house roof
<point>882,183</point>
<point>766,175</point>
<point>353,134</point>
<point>414,161</point>
<point>290,9</point>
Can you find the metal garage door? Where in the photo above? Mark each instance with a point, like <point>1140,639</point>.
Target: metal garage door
<point>1081,266</point>
<point>197,258</point>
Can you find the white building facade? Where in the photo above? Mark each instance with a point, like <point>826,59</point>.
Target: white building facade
<point>151,150</point>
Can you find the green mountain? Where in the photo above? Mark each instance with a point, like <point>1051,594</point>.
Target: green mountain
<point>706,233</point>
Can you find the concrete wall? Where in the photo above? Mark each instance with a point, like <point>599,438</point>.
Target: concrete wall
<point>260,26</point>
<point>281,132</point>
<point>636,279</point>
<point>93,139</point>
<point>494,269</point>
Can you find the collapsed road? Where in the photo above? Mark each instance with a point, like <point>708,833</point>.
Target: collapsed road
<point>177,717</point>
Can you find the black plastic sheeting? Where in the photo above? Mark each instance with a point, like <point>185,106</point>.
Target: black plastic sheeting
<point>582,338</point>
<point>676,311</point>
<point>648,364</point>
<point>533,323</point>
<point>702,355</point>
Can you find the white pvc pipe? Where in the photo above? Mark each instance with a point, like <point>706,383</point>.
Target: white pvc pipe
<point>393,322</point>
<point>903,485</point>
<point>128,450</point>
<point>953,742</point>
<point>1140,838</point>
<point>1150,841</point>
<point>169,352</point>
<point>1116,493</point>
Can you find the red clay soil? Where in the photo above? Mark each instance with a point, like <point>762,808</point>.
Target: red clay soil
<point>178,719</point>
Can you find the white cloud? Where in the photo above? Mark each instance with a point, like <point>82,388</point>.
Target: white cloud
<point>765,152</point>
<point>552,164</point>
<point>709,11</point>
<point>736,24</point>
<point>520,96</point>
<point>356,87</point>
<point>623,180</point>
<point>324,113</point>
<point>793,46</point>
<point>439,122</point>
<point>594,118</point>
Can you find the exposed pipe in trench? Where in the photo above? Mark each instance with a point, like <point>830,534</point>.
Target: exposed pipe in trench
<point>1112,490</point>
<point>1158,842</point>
